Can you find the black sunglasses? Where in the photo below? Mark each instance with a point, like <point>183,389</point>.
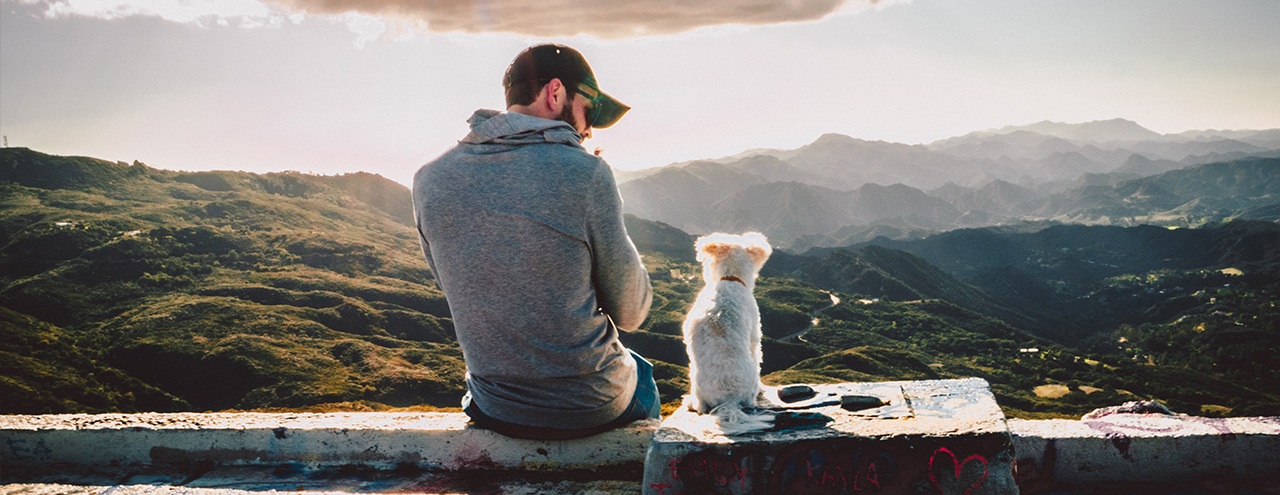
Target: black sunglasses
<point>593,111</point>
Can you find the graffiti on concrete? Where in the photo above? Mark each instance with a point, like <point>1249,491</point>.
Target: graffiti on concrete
<point>943,457</point>
<point>832,467</point>
<point>710,469</point>
<point>827,468</point>
<point>1120,433</point>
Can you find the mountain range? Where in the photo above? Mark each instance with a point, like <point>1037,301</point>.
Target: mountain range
<point>840,190</point>
<point>128,288</point>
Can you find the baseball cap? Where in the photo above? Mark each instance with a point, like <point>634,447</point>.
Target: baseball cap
<point>555,61</point>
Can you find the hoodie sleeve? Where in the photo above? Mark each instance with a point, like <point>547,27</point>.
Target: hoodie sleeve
<point>621,281</point>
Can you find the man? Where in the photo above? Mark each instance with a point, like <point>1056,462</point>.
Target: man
<point>523,230</point>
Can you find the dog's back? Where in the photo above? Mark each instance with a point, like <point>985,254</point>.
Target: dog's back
<point>722,336</point>
<point>722,363</point>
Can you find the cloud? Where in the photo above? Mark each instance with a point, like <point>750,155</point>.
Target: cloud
<point>605,18</point>
<point>246,13</point>
<point>366,27</point>
<point>369,19</point>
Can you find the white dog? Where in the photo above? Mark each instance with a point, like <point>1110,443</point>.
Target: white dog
<point>722,333</point>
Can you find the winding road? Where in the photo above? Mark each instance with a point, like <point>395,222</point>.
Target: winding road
<point>814,321</point>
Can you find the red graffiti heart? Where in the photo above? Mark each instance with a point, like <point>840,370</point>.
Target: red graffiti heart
<point>959,467</point>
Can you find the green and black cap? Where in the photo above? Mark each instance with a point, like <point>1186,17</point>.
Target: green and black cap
<point>555,61</point>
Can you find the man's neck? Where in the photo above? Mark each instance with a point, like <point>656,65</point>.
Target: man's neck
<point>532,111</point>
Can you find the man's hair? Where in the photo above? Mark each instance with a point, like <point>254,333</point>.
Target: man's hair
<point>524,93</point>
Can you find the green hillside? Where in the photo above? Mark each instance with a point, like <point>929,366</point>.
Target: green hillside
<point>1192,194</point>
<point>214,290</point>
<point>127,288</point>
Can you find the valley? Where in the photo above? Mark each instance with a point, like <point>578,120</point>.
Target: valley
<point>1146,267</point>
<point>841,190</point>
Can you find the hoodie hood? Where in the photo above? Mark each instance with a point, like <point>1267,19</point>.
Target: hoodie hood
<point>510,128</point>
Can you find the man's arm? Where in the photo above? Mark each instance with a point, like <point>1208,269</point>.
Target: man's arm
<point>622,284</point>
<point>417,225</point>
<point>426,251</point>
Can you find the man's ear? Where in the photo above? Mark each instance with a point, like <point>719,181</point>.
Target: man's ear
<point>551,92</point>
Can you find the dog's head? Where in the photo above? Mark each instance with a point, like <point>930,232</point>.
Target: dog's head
<point>724,255</point>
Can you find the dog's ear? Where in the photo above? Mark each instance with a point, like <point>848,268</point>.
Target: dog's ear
<point>708,246</point>
<point>714,250</point>
<point>758,247</point>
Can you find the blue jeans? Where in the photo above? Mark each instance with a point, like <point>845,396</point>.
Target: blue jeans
<point>644,404</point>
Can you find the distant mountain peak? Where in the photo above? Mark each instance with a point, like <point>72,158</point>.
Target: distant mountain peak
<point>1098,131</point>
<point>1050,125</point>
<point>833,137</point>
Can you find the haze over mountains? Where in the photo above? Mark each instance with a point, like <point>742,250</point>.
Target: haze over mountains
<point>839,190</point>
<point>295,291</point>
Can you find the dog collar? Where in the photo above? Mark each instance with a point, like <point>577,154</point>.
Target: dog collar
<point>735,279</point>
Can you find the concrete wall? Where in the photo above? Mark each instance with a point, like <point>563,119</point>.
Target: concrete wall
<point>1142,449</point>
<point>1050,456</point>
<point>384,440</point>
<point>935,436</point>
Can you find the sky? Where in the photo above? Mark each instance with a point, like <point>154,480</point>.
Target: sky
<point>383,86</point>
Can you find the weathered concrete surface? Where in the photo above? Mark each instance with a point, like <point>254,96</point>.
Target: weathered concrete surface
<point>255,480</point>
<point>438,441</point>
<point>1147,448</point>
<point>934,437</point>
<point>941,436</point>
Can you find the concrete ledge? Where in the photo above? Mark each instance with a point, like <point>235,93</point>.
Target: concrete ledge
<point>1145,448</point>
<point>440,441</point>
<point>935,436</point>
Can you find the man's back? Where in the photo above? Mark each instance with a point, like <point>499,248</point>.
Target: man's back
<point>523,231</point>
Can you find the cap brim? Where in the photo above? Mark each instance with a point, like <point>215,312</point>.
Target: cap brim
<point>611,110</point>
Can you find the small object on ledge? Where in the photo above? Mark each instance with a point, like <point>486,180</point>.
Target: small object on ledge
<point>1131,407</point>
<point>795,393</point>
<point>799,421</point>
<point>860,402</point>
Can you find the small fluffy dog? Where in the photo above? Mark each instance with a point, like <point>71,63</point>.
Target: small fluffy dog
<point>722,333</point>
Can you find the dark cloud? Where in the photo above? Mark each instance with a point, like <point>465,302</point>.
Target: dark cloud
<point>606,18</point>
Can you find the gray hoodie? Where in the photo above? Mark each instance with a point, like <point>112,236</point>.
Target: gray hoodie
<point>523,231</point>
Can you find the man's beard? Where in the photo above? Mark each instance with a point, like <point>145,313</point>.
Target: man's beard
<point>566,114</point>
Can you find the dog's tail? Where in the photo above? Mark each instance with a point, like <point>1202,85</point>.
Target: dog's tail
<point>733,420</point>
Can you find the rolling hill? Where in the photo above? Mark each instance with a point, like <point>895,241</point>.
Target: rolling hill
<point>215,290</point>
<point>1109,172</point>
<point>127,288</point>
